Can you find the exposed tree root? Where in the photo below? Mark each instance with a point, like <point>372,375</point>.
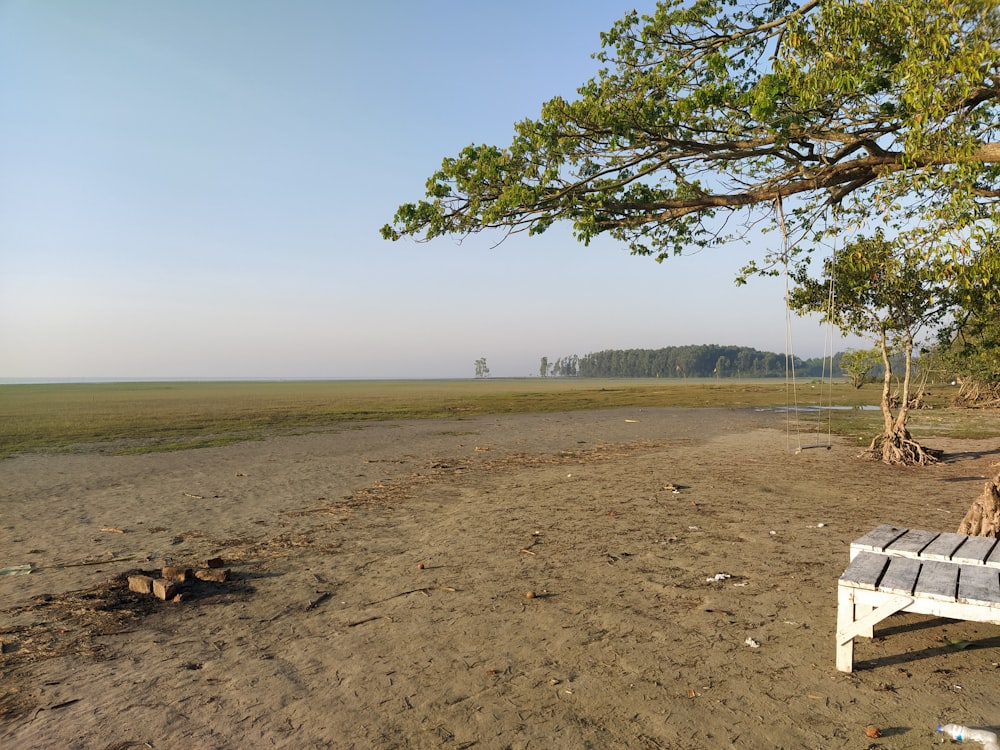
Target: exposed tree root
<point>983,518</point>
<point>974,394</point>
<point>899,449</point>
<point>916,402</point>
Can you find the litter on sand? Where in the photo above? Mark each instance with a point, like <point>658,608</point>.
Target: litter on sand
<point>16,570</point>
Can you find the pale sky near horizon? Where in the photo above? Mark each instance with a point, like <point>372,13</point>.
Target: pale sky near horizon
<point>195,189</point>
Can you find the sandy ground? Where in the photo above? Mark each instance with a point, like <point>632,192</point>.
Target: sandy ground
<point>331,635</point>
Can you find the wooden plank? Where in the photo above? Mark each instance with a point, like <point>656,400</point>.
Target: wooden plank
<point>865,570</point>
<point>900,575</point>
<point>994,557</point>
<point>912,543</point>
<point>943,548</point>
<point>975,549</point>
<point>878,538</point>
<point>938,580</point>
<point>979,585</point>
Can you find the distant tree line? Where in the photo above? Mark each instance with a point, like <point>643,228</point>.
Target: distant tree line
<point>694,361</point>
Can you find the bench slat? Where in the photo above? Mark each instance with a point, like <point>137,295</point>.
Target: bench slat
<point>900,575</point>
<point>938,580</point>
<point>979,585</point>
<point>944,547</point>
<point>878,538</point>
<point>975,549</point>
<point>865,570</point>
<point>911,543</point>
<point>994,557</point>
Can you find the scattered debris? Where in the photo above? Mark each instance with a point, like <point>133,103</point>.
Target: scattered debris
<point>368,619</point>
<point>174,583</point>
<point>323,596</point>
<point>16,570</point>
<point>425,590</point>
<point>751,642</point>
<point>55,707</point>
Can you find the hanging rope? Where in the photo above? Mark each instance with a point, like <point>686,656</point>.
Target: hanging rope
<point>791,396</point>
<point>828,343</point>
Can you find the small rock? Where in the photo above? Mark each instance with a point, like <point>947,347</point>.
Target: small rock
<point>140,584</point>
<point>164,589</point>
<point>213,575</point>
<point>176,574</point>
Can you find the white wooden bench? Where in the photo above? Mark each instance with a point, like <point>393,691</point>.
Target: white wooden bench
<point>894,569</point>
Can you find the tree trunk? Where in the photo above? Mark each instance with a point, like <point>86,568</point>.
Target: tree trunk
<point>895,445</point>
<point>983,518</point>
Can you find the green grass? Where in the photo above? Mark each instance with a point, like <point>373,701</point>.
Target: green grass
<point>158,416</point>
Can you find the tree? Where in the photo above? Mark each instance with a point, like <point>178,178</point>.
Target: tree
<point>482,371</point>
<point>889,292</point>
<point>543,367</point>
<point>713,118</point>
<point>717,107</point>
<point>969,346</point>
<point>858,364</point>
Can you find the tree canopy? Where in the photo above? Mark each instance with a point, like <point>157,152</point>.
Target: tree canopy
<point>706,113</point>
<point>888,291</point>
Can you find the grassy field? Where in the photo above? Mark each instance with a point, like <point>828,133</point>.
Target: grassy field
<point>156,416</point>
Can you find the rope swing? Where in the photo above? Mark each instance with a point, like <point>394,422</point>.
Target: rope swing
<point>828,341</point>
<point>791,385</point>
<point>792,422</point>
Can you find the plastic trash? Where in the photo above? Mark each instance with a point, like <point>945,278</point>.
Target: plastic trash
<point>965,734</point>
<point>16,570</point>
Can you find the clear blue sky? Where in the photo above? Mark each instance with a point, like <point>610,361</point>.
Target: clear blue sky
<point>195,189</point>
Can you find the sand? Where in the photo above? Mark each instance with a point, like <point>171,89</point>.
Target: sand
<point>379,581</point>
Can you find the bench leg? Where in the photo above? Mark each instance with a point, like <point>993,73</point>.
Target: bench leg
<point>855,620</point>
<point>845,619</point>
